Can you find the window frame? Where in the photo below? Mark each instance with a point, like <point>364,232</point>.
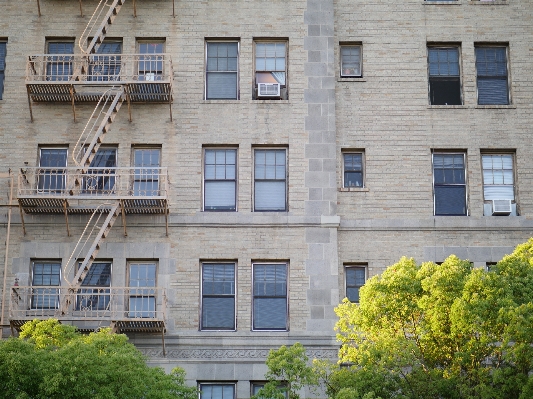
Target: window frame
<point>285,180</point>
<point>358,45</point>
<point>142,291</point>
<point>512,154</point>
<point>60,172</point>
<point>205,180</point>
<point>3,55</point>
<point>203,295</point>
<point>46,292</point>
<point>94,293</point>
<point>255,264</point>
<point>103,186</point>
<point>284,88</point>
<point>55,59</point>
<point>444,78</point>
<point>354,266</point>
<point>261,384</point>
<point>465,184</point>
<point>110,64</point>
<point>351,152</point>
<point>507,77</point>
<point>157,73</point>
<point>237,72</point>
<point>145,177</point>
<point>215,383</point>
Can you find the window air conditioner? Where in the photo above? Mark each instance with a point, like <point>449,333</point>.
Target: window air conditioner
<point>268,89</point>
<point>501,207</point>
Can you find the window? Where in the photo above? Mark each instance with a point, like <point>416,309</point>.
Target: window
<point>146,173</point>
<point>220,184</point>
<point>217,391</point>
<point>142,283</point>
<point>3,50</point>
<point>270,180</point>
<point>353,169</point>
<point>101,176</point>
<point>355,279</point>
<point>59,67</point>
<point>97,297</point>
<point>498,178</point>
<point>271,69</point>
<point>221,78</point>
<point>270,296</point>
<point>492,80</point>
<point>351,61</point>
<point>151,60</point>
<point>52,168</point>
<point>449,184</point>
<point>46,274</point>
<point>105,65</point>
<point>256,386</point>
<point>218,296</point>
<point>444,76</point>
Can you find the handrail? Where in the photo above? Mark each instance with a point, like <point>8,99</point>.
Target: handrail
<point>95,19</point>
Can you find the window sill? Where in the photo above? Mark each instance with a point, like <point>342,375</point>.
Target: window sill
<point>491,2</point>
<point>272,101</point>
<point>221,101</point>
<point>340,79</point>
<point>354,189</point>
<point>443,2</point>
<point>448,106</point>
<point>495,106</point>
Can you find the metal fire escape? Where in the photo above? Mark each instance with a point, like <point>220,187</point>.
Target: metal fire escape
<point>103,193</point>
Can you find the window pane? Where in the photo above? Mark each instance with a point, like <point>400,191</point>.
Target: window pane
<point>221,85</point>
<point>270,313</point>
<point>450,200</point>
<point>270,196</point>
<point>218,296</point>
<point>220,195</point>
<point>218,313</point>
<point>45,274</point>
<point>270,296</point>
<point>217,391</point>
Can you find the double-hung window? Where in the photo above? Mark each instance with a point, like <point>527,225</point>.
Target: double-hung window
<point>355,276</point>
<point>142,283</point>
<point>59,62</point>
<point>222,67</point>
<point>498,177</point>
<point>51,175</point>
<point>46,276</point>
<point>492,76</point>
<point>271,69</point>
<point>353,169</point>
<point>3,46</point>
<point>151,60</point>
<point>106,64</point>
<point>449,184</point>
<point>217,391</point>
<point>270,180</point>
<point>146,163</point>
<point>270,304</point>
<point>444,76</point>
<point>351,61</point>
<point>220,179</point>
<point>101,176</point>
<point>94,292</point>
<point>218,296</point>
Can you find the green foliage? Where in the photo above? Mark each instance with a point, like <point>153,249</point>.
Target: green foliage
<point>50,360</point>
<point>440,331</point>
<point>288,372</point>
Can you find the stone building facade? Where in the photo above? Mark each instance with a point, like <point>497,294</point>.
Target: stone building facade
<point>399,128</point>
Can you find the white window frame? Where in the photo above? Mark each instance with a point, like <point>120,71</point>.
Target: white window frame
<point>353,266</point>
<point>513,173</point>
<point>344,171</point>
<point>233,295</point>
<point>204,179</point>
<point>465,184</point>
<point>345,71</point>
<point>41,295</point>
<point>237,72</point>
<point>507,78</point>
<point>146,175</point>
<point>55,172</point>
<point>257,179</point>
<point>440,78</point>
<point>201,384</point>
<point>142,291</point>
<point>287,279</point>
<point>286,70</point>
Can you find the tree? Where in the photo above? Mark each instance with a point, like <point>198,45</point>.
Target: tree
<point>440,331</point>
<point>51,360</point>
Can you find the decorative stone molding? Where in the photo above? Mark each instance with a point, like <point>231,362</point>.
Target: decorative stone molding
<point>218,354</point>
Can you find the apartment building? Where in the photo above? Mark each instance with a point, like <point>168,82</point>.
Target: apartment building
<point>213,177</point>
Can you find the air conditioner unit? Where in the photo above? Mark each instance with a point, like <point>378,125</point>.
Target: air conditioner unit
<point>268,89</point>
<point>501,207</point>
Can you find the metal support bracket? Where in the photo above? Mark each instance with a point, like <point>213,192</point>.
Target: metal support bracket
<point>65,204</point>
<point>22,219</point>
<point>123,213</point>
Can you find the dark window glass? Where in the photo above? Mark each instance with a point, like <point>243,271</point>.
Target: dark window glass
<point>96,298</point>
<point>101,176</point>
<point>449,184</point>
<point>59,67</point>
<point>220,174</point>
<point>444,76</point>
<point>47,275</point>
<point>3,49</point>
<point>105,65</point>
<point>355,279</point>
<point>270,297</point>
<point>270,180</point>
<point>218,296</point>
<point>353,170</point>
<point>217,391</point>
<point>492,82</point>
<point>221,70</point>
<point>52,168</point>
